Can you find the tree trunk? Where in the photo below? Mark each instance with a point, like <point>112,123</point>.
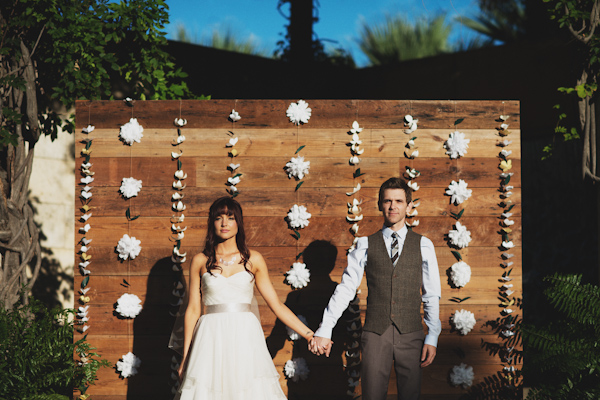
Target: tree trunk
<point>20,250</point>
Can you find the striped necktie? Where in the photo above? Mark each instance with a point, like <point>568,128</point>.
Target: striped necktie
<point>394,248</point>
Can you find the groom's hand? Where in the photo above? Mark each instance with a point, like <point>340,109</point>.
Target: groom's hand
<point>320,345</point>
<point>427,355</point>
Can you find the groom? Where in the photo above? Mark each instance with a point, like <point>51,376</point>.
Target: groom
<point>402,272</point>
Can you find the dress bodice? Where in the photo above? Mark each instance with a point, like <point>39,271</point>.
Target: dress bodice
<point>237,288</point>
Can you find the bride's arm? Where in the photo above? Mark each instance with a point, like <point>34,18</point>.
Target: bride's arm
<point>192,312</point>
<point>265,287</point>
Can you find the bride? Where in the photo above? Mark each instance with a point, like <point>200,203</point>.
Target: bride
<point>225,356</point>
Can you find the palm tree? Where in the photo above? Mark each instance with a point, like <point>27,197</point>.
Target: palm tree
<point>499,20</point>
<point>398,39</point>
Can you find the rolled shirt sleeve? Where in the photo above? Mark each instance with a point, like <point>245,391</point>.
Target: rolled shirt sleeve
<point>432,292</point>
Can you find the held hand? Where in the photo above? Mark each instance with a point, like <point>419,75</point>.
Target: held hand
<point>320,345</point>
<point>427,355</point>
<point>180,372</point>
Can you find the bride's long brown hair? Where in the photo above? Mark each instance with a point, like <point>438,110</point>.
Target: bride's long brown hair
<point>228,206</point>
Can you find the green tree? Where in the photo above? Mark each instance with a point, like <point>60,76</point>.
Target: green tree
<point>581,18</point>
<point>502,21</point>
<point>398,39</point>
<point>565,354</point>
<point>53,52</point>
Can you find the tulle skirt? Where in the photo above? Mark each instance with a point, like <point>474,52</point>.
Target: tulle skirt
<point>229,360</point>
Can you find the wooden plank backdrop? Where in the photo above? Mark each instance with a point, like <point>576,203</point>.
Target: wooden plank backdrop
<point>267,141</point>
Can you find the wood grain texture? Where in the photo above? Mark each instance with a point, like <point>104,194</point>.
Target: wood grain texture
<point>266,142</point>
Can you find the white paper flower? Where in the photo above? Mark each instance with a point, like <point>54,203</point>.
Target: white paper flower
<point>298,276</point>
<point>129,365</point>
<point>459,237</point>
<point>128,247</point>
<point>85,228</point>
<point>413,185</point>
<point>354,190</point>
<point>460,273</point>
<point>179,206</point>
<point>299,112</point>
<point>180,122</point>
<point>130,187</point>
<point>296,369</point>
<point>131,132</point>
<point>292,333</point>
<point>458,191</point>
<point>232,167</point>
<point>232,142</point>
<point>505,153</point>
<point>413,223</point>
<point>456,145</point>
<point>462,375</point>
<point>176,155</point>
<point>463,321</point>
<point>354,160</point>
<point>508,244</point>
<point>233,180</point>
<point>180,139</point>
<point>178,185</point>
<point>234,116</point>
<point>413,154</point>
<point>177,196</point>
<point>87,180</point>
<point>86,194</point>
<point>410,123</point>
<point>298,217</point>
<point>412,173</point>
<point>504,143</point>
<point>297,167</point>
<point>354,218</point>
<point>355,128</point>
<point>129,305</point>
<point>88,129</point>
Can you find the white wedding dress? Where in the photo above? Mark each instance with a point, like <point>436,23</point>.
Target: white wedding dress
<point>229,359</point>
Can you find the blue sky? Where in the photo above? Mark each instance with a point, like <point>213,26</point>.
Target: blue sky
<point>339,20</point>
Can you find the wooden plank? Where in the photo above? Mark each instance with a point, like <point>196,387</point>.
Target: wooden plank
<point>156,231</point>
<point>330,202</point>
<point>484,261</point>
<point>331,142</point>
<point>272,113</point>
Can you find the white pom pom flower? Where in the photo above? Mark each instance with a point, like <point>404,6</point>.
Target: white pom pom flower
<point>460,274</point>
<point>459,237</point>
<point>129,305</point>
<point>462,375</point>
<point>296,369</point>
<point>131,132</point>
<point>234,116</point>
<point>129,365</point>
<point>463,321</point>
<point>456,145</point>
<point>128,247</point>
<point>298,276</point>
<point>299,112</point>
<point>297,167</point>
<point>292,333</point>
<point>458,191</point>
<point>130,187</point>
<point>298,217</point>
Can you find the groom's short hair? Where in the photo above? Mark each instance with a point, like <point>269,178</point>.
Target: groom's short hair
<point>395,183</point>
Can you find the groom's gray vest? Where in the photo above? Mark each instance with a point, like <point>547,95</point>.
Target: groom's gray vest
<point>394,292</point>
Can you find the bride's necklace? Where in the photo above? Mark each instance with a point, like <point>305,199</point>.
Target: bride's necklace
<point>227,263</point>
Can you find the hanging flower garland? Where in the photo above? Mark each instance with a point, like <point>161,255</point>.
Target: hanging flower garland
<point>129,364</point>
<point>296,369</point>
<point>234,179</point>
<point>410,125</point>
<point>354,210</point>
<point>131,132</point>
<point>463,321</point>
<point>462,375</point>
<point>129,305</point>
<point>86,197</point>
<point>508,322</point>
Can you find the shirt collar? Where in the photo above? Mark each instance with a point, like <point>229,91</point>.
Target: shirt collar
<point>387,232</point>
